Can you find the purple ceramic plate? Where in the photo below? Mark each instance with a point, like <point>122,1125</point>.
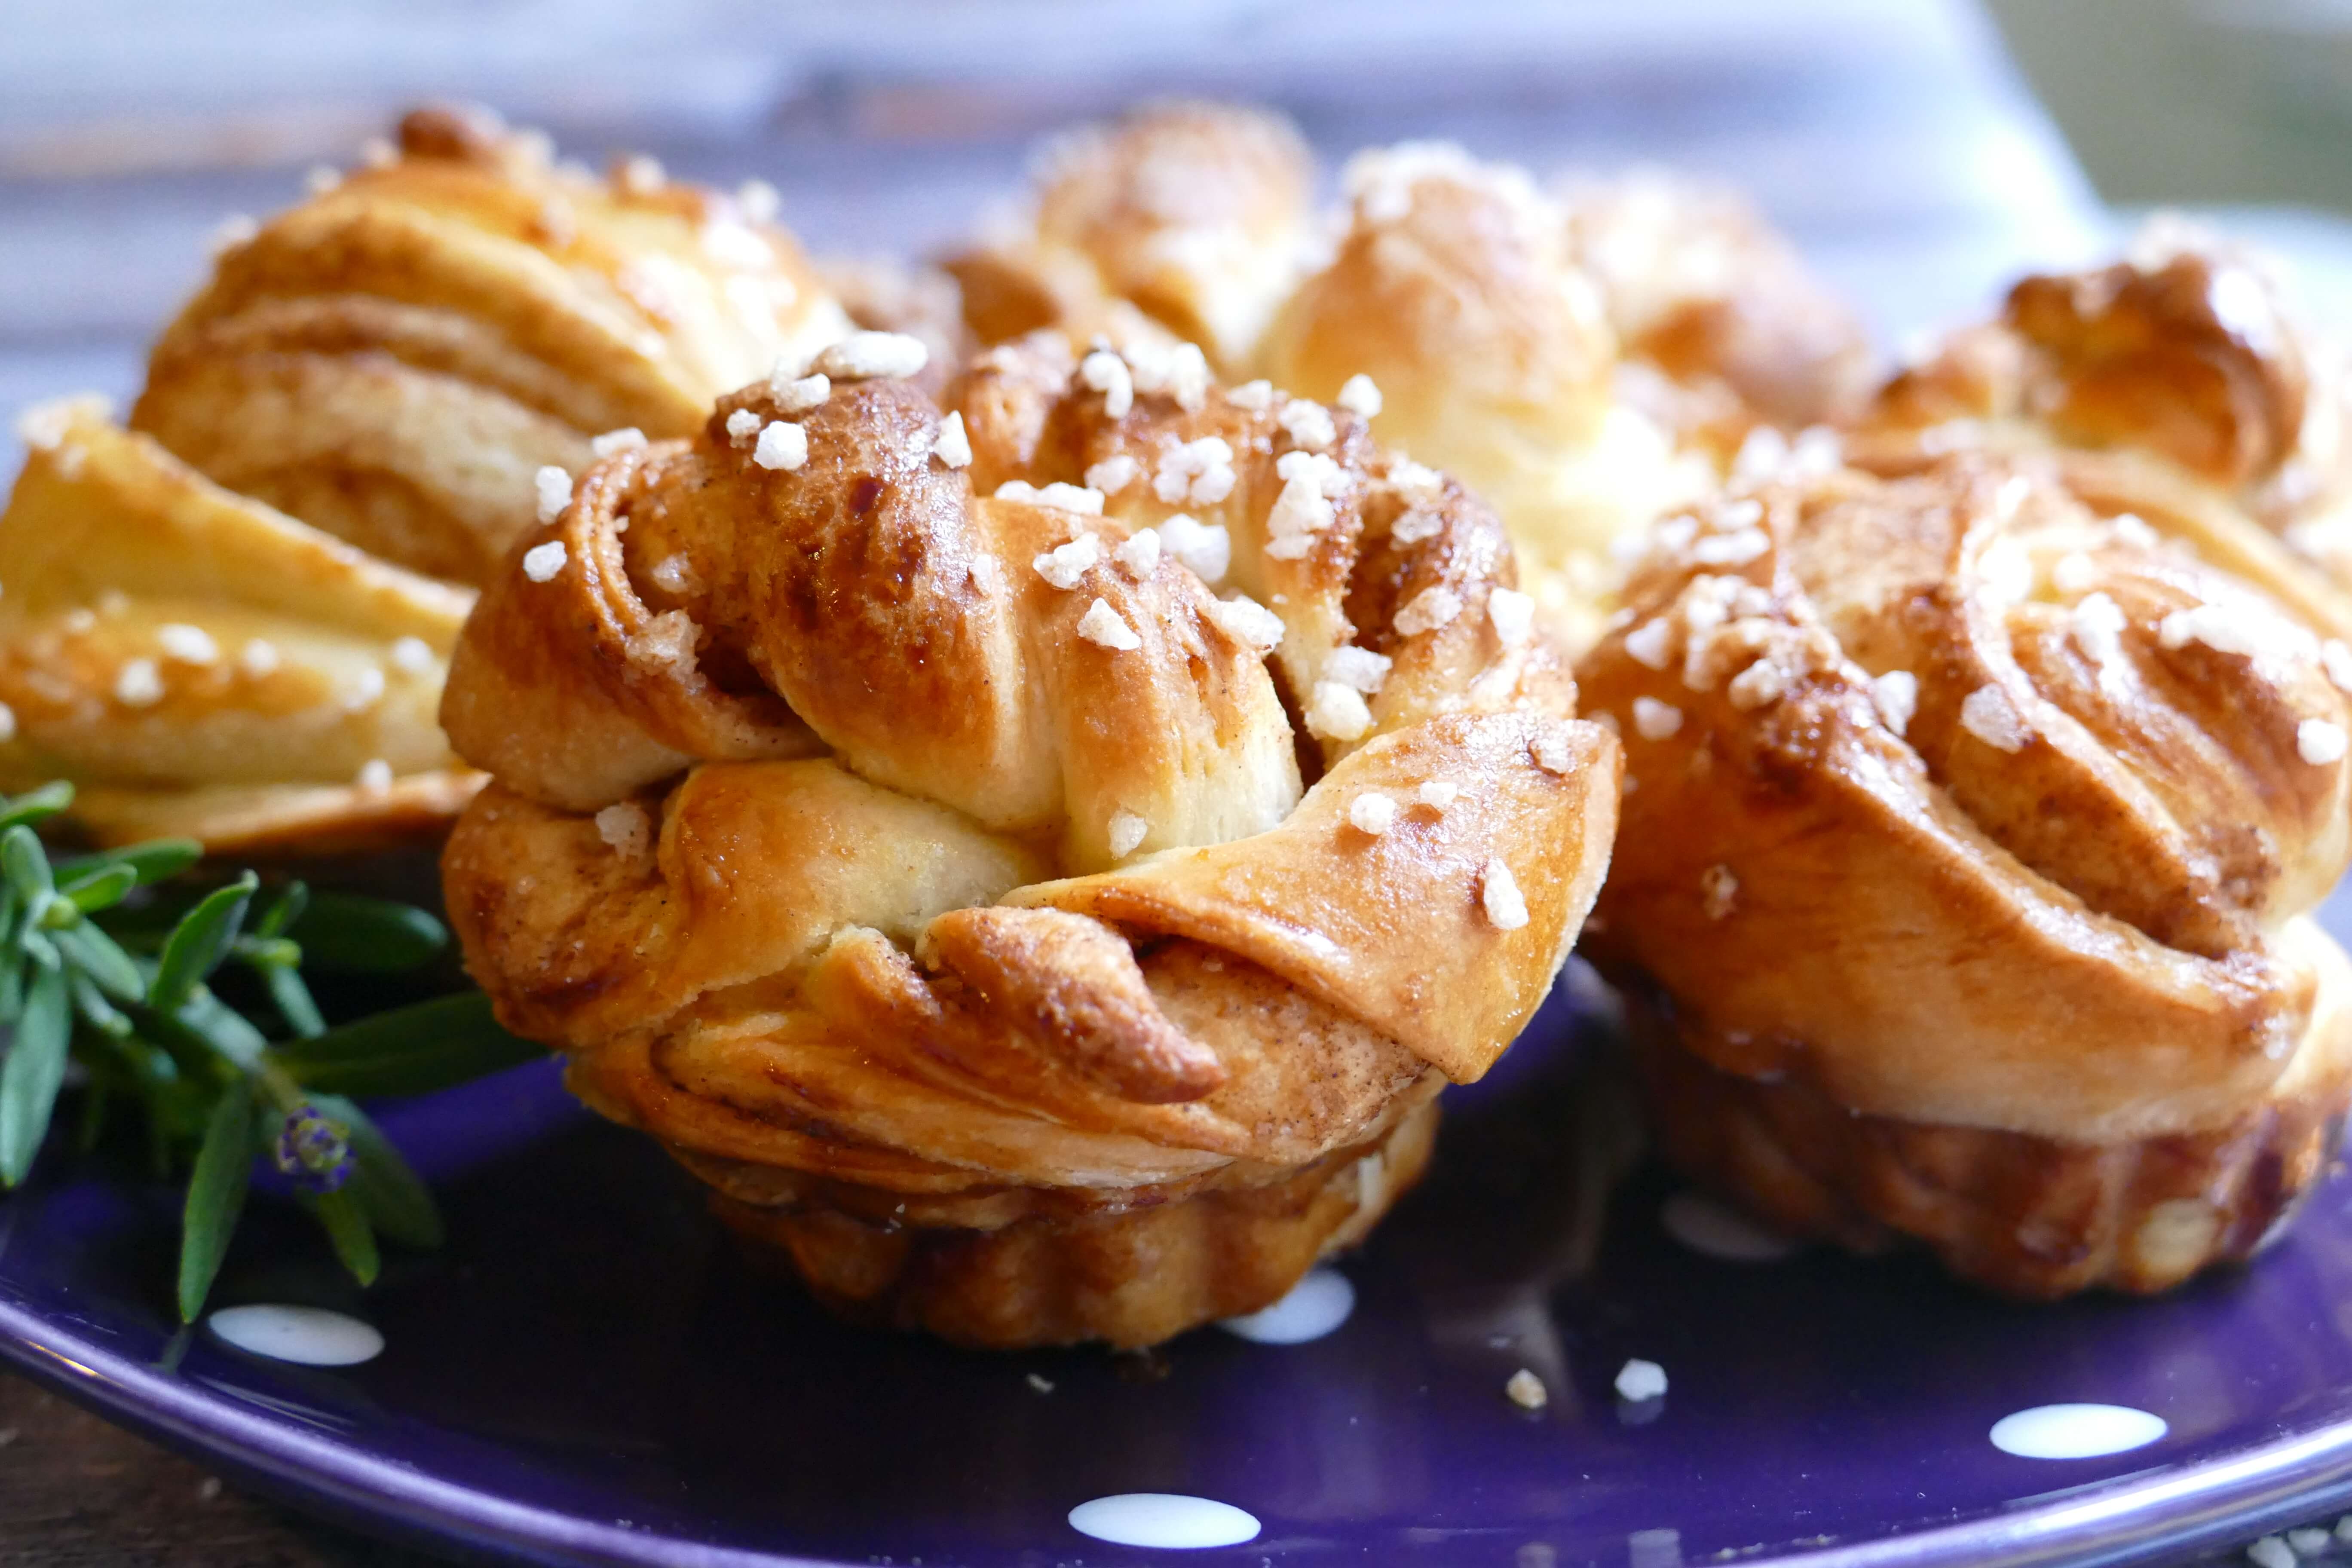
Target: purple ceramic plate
<point>590,1374</point>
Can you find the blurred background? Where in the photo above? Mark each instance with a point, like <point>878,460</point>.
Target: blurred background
<point>1921,151</point>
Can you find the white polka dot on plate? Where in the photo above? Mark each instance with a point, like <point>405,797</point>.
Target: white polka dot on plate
<point>2075,1431</point>
<point>1713,1231</point>
<point>1315,1307</point>
<point>311,1336</point>
<point>1165,1519</point>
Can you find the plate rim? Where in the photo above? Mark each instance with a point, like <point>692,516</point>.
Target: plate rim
<point>2165,1508</point>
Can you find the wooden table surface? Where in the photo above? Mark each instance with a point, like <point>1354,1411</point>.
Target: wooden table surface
<point>76,1492</point>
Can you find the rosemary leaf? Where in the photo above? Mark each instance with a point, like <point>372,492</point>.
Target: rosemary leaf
<point>216,1190</point>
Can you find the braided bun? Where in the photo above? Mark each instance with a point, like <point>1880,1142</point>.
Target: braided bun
<point>891,817</point>
<point>1967,884</point>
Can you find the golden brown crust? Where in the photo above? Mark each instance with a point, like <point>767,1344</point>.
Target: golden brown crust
<point>932,862</point>
<point>2176,384</point>
<point>2074,866</point>
<point>1452,288</point>
<point>1194,216</point>
<point>201,666</point>
<point>1129,1275</point>
<point>394,359</point>
<point>2027,1216</point>
<point>1698,286</point>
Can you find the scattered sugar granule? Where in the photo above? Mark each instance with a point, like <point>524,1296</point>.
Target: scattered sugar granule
<point>259,658</point>
<point>675,575</point>
<point>2073,573</point>
<point>1107,374</point>
<point>1359,395</point>
<point>1372,812</point>
<point>2135,530</point>
<point>731,244</point>
<point>1988,715</point>
<point>1736,548</point>
<point>1648,643</point>
<point>1247,622</point>
<point>2336,660</point>
<point>1182,372</point>
<point>795,393</point>
<point>1718,891</point>
<point>867,356</point>
<point>1127,831</point>
<point>1101,626</point>
<point>781,445</point>
<point>1417,482</point>
<point>741,426</point>
<point>1438,793</point>
<point>953,446</point>
<point>7,723</point>
<point>1061,497</point>
<point>1498,892</point>
<point>2318,741</point>
<point>1358,668</point>
<point>1140,554</point>
<point>2097,622</point>
<point>189,644</point>
<point>1065,565</point>
<point>1895,695</point>
<point>81,620</point>
<point>1252,395</point>
<point>1638,1380</point>
<point>1308,425</point>
<point>1041,1383</point>
<point>138,684</point>
<point>2217,627</point>
<point>1653,720</point>
<point>322,178</point>
<point>367,691</point>
<point>1526,1391</point>
<point>1206,550</point>
<point>1327,476</point>
<point>1199,470</point>
<point>1760,685</point>
<point>554,488</point>
<point>1300,513</point>
<point>1512,614</point>
<point>758,200</point>
<point>1428,610</point>
<point>640,175</point>
<point>235,230</point>
<point>378,153</point>
<point>1415,526</point>
<point>411,656</point>
<point>628,439</point>
<point>1552,754</point>
<point>542,561</point>
<point>1113,474</point>
<point>1337,711</point>
<point>374,775</point>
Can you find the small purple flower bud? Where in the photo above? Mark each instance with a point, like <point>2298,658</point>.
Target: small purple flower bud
<point>314,1150</point>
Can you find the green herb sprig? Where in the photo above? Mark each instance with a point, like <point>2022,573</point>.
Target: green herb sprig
<point>102,968</point>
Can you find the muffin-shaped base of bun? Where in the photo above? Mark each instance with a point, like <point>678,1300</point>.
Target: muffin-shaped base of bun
<point>1124,1272</point>
<point>2025,1215</point>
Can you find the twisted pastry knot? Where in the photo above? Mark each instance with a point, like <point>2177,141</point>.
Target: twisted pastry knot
<point>1967,822</point>
<point>912,838</point>
<point>2177,385</point>
<point>394,359</point>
